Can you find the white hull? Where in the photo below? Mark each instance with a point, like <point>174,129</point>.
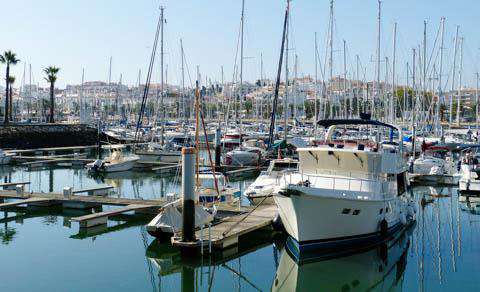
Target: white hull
<point>434,179</point>
<point>262,187</point>
<point>159,156</point>
<point>116,166</point>
<point>315,218</point>
<point>241,158</point>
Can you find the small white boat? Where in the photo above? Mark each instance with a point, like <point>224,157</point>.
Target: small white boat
<point>168,153</point>
<point>262,188</point>
<point>114,163</point>
<point>470,175</point>
<point>433,170</point>
<point>244,156</point>
<point>169,220</point>
<point>207,193</point>
<point>5,158</point>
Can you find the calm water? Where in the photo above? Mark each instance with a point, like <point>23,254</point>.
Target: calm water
<point>41,251</point>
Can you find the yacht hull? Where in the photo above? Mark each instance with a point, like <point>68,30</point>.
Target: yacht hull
<point>317,222</point>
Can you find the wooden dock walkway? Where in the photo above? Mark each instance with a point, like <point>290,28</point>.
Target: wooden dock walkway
<point>24,202</point>
<point>101,218</point>
<point>228,231</point>
<point>60,198</point>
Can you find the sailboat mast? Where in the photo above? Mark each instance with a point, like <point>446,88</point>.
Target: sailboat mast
<point>437,111</point>
<point>295,95</point>
<point>330,61</point>
<point>424,60</point>
<point>460,82</point>
<point>242,25</point>
<point>184,110</point>
<point>162,17</point>
<point>414,89</point>
<point>476,103</point>
<point>315,115</point>
<point>393,114</point>
<point>81,103</point>
<point>261,84</point>
<point>377,87</point>
<point>285,99</point>
<point>345,78</point>
<point>453,76</point>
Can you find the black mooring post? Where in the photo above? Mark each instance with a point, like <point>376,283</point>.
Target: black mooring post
<point>188,175</point>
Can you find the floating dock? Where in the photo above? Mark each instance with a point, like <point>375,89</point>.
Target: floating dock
<point>229,230</point>
<point>70,201</point>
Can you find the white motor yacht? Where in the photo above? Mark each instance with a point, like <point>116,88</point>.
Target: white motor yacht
<point>114,163</point>
<point>346,192</point>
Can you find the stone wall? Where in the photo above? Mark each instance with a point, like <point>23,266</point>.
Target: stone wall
<point>46,135</point>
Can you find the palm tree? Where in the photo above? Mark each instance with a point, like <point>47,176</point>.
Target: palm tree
<point>11,80</point>
<point>8,58</point>
<point>51,72</point>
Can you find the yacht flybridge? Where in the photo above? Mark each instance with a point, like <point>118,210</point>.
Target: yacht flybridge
<point>350,190</point>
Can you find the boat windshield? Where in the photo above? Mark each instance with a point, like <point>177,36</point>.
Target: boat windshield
<point>279,166</point>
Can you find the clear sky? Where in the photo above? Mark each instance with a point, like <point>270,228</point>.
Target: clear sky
<point>72,34</point>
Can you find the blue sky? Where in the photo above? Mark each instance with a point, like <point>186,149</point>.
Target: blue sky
<point>73,34</point>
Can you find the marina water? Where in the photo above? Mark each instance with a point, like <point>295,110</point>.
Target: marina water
<point>41,246</point>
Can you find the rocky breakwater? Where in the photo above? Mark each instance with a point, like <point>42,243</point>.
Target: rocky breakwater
<point>22,136</point>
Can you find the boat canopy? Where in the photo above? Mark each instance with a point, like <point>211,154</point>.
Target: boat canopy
<point>334,122</point>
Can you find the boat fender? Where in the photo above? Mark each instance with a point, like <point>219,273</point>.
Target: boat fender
<point>403,218</point>
<point>383,228</point>
<point>277,223</point>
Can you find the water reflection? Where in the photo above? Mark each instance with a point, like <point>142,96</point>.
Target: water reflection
<point>203,273</point>
<point>7,233</point>
<point>378,268</point>
<point>440,253</point>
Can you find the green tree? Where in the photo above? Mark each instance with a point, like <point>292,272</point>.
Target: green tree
<point>8,58</point>
<point>51,73</point>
